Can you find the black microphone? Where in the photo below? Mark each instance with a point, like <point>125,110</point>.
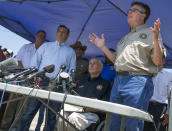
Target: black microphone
<point>62,68</point>
<point>20,75</point>
<point>72,83</point>
<point>72,75</point>
<point>63,79</point>
<point>48,69</point>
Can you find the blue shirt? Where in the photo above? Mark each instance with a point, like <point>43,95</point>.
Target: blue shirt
<point>53,53</point>
<point>108,73</point>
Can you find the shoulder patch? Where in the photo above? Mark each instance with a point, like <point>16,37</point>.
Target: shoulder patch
<point>143,36</point>
<point>99,87</point>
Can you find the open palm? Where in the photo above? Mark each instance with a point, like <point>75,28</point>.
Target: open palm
<point>156,29</point>
<point>99,42</point>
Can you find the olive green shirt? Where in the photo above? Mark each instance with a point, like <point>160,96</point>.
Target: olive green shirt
<point>135,52</point>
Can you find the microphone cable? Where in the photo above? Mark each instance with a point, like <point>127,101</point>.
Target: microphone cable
<point>153,121</point>
<point>5,90</point>
<point>62,107</point>
<point>49,68</point>
<point>19,112</point>
<point>46,116</point>
<point>3,95</point>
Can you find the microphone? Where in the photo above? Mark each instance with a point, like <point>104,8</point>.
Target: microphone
<point>48,69</point>
<point>63,78</point>
<point>72,75</point>
<point>10,62</point>
<point>62,68</point>
<point>20,75</point>
<point>72,83</point>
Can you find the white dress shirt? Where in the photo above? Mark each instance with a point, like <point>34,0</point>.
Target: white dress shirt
<point>162,86</point>
<point>25,54</point>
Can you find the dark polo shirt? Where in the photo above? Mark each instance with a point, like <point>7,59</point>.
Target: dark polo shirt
<point>97,88</point>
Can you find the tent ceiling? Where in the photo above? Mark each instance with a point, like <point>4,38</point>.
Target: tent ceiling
<point>77,15</point>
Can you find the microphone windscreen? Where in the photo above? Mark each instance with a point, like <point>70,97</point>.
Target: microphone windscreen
<point>10,62</point>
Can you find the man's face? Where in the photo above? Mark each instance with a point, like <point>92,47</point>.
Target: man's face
<point>5,53</point>
<point>79,52</point>
<point>136,15</point>
<point>61,34</point>
<point>40,36</point>
<point>94,67</point>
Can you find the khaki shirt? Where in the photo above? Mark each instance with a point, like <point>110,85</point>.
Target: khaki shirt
<point>135,52</point>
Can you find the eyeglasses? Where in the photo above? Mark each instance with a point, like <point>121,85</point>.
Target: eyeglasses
<point>134,10</point>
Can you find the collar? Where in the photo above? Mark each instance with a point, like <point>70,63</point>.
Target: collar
<point>138,28</point>
<point>59,44</point>
<point>34,46</point>
<point>93,79</point>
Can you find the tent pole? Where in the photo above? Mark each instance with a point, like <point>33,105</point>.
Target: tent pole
<point>83,27</point>
<point>168,48</point>
<point>117,7</point>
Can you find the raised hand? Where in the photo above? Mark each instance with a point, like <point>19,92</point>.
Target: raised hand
<point>156,29</point>
<point>99,42</point>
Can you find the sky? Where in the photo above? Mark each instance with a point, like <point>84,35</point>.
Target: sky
<point>11,40</point>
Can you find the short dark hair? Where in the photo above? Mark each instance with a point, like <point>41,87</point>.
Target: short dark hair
<point>5,49</point>
<point>145,7</point>
<point>68,30</point>
<point>41,31</point>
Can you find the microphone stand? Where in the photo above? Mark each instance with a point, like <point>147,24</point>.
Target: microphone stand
<point>63,102</point>
<point>22,106</point>
<point>62,68</point>
<point>64,81</point>
<point>46,113</point>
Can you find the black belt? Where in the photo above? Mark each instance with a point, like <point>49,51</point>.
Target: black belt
<point>157,103</point>
<point>125,73</point>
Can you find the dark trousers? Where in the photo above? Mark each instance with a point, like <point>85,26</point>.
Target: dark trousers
<point>156,110</point>
<point>40,118</point>
<point>31,111</point>
<point>3,106</point>
<point>33,107</point>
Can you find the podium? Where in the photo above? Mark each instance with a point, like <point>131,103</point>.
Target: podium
<point>108,107</point>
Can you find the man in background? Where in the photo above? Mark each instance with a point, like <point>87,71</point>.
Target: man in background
<point>24,57</point>
<point>81,63</point>
<point>95,87</point>
<point>159,101</point>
